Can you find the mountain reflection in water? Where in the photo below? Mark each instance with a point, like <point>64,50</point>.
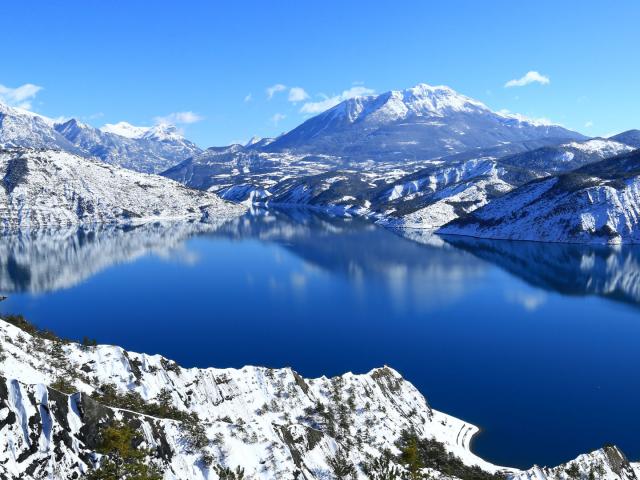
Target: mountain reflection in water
<point>52,259</point>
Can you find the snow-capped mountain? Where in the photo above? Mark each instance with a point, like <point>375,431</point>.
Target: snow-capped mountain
<point>144,149</point>
<point>347,158</point>
<point>49,187</point>
<point>422,122</point>
<point>598,203</point>
<point>22,128</point>
<point>124,129</point>
<point>151,150</point>
<point>273,423</point>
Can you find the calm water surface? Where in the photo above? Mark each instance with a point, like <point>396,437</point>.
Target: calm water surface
<point>537,344</point>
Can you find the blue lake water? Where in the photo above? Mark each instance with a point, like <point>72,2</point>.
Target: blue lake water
<point>537,344</point>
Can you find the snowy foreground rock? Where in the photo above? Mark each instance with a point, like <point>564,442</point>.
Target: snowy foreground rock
<point>55,188</point>
<point>267,421</point>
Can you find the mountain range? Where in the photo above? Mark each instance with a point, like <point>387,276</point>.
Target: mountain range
<point>148,150</point>
<point>425,157</point>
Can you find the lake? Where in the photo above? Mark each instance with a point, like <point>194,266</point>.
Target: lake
<point>537,344</point>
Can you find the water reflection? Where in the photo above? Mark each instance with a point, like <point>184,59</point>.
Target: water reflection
<point>49,260</point>
<point>570,269</point>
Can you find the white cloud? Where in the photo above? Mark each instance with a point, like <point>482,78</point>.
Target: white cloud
<point>179,118</point>
<point>273,89</point>
<point>589,124</point>
<point>297,94</point>
<point>277,118</point>
<point>248,98</point>
<point>530,77</point>
<point>313,108</point>
<point>20,96</point>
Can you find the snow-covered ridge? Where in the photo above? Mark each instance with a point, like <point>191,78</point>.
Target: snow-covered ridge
<point>598,203</point>
<point>600,146</point>
<point>265,420</point>
<point>54,188</point>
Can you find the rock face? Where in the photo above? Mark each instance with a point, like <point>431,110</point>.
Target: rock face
<point>598,203</point>
<point>54,188</point>
<point>271,422</point>
<point>149,150</point>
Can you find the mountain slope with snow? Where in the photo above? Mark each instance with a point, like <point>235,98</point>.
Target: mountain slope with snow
<point>47,187</point>
<point>422,122</point>
<point>630,137</point>
<point>271,422</point>
<point>149,150</point>
<point>438,195</point>
<point>598,203</point>
<point>22,128</point>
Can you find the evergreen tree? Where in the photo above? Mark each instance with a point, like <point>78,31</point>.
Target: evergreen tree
<point>382,469</point>
<point>225,473</point>
<point>411,459</point>
<point>341,467</point>
<point>121,459</point>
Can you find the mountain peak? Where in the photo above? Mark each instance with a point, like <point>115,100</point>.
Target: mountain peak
<point>422,121</point>
<point>164,132</point>
<point>124,129</point>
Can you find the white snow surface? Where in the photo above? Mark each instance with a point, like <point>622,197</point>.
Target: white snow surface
<point>124,129</point>
<point>600,212</point>
<point>600,146</point>
<point>55,188</point>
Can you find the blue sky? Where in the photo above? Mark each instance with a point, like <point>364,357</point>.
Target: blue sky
<point>208,65</point>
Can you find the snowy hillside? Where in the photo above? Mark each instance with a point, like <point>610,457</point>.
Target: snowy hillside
<point>271,422</point>
<point>237,173</point>
<point>47,187</point>
<point>437,195</point>
<point>598,203</point>
<point>425,194</point>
